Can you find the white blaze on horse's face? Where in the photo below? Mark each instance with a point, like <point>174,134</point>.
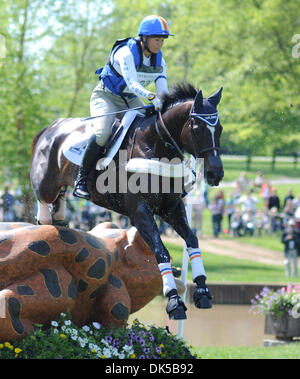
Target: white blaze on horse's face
<point>212,130</point>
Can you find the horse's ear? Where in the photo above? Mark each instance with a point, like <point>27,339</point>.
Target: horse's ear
<point>198,102</point>
<point>216,97</point>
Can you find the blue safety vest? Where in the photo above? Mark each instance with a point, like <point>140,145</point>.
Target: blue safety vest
<point>114,81</point>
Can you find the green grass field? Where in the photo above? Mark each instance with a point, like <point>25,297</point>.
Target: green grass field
<point>291,351</point>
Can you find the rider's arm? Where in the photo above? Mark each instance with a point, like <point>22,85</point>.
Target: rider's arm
<point>128,71</point>
<point>161,82</point>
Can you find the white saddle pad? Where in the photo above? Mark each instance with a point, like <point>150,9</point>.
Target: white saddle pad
<point>75,144</point>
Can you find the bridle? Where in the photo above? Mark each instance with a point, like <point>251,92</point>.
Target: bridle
<point>190,121</point>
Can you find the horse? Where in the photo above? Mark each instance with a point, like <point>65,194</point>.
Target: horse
<point>187,123</point>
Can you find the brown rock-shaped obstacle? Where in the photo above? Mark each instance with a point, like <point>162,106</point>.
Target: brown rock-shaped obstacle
<point>103,276</point>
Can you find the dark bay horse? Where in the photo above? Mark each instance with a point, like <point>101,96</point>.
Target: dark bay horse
<point>190,123</point>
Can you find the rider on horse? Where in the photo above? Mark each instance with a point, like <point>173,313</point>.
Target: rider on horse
<point>134,63</point>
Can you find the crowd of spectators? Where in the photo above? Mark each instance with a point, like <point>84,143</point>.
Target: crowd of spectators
<point>245,215</point>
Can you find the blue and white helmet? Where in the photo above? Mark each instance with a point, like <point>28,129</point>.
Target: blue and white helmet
<point>154,26</point>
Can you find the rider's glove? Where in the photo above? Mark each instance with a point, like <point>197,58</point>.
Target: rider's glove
<point>155,101</point>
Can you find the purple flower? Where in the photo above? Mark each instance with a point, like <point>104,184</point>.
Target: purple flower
<point>142,342</point>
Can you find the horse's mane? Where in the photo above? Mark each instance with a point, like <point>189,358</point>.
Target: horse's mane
<point>179,93</point>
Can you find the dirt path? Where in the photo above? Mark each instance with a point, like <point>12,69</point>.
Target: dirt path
<point>235,249</point>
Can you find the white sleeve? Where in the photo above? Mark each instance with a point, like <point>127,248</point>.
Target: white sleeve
<point>161,82</point>
<point>128,71</point>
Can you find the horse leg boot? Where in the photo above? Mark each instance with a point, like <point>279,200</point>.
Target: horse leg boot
<point>92,152</point>
<point>202,296</point>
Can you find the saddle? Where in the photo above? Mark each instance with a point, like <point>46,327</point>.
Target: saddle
<point>74,146</point>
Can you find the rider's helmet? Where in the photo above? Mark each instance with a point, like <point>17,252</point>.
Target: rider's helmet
<point>154,26</point>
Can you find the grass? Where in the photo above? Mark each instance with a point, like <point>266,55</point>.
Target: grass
<point>291,351</point>
<point>227,269</point>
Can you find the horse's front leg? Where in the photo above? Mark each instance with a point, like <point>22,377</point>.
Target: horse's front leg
<point>143,220</point>
<point>176,218</point>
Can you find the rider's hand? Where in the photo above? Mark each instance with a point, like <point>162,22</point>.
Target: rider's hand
<point>155,101</point>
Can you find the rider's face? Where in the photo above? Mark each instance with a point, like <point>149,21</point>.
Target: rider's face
<point>155,44</point>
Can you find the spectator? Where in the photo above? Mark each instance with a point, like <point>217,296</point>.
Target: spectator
<point>291,240</point>
<point>275,219</point>
<point>259,180</point>
<point>242,181</point>
<point>236,223</point>
<point>8,201</point>
<point>248,202</point>
<point>265,193</point>
<point>289,196</point>
<point>273,200</point>
<point>248,219</point>
<point>216,208</point>
<point>230,209</point>
<point>262,222</point>
<point>296,202</point>
<point>288,211</point>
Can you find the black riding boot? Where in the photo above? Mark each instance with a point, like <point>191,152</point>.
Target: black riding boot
<point>92,153</point>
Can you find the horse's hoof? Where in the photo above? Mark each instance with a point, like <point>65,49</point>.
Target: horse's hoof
<point>176,308</point>
<point>202,298</point>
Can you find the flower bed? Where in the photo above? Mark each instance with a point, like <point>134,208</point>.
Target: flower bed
<point>63,340</point>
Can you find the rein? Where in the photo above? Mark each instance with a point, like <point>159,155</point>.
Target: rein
<point>167,144</point>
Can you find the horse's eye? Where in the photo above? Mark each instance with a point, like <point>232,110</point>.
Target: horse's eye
<point>196,127</point>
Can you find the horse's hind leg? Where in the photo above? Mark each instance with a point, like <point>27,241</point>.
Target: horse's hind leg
<point>144,221</point>
<point>59,209</point>
<point>43,216</point>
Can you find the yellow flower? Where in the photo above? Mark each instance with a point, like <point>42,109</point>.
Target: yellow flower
<point>1,345</point>
<point>63,336</point>
<point>132,356</point>
<point>18,350</point>
<point>162,345</point>
<point>103,356</point>
<point>7,344</point>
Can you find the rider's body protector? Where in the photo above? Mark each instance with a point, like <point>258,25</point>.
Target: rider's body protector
<point>128,71</point>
